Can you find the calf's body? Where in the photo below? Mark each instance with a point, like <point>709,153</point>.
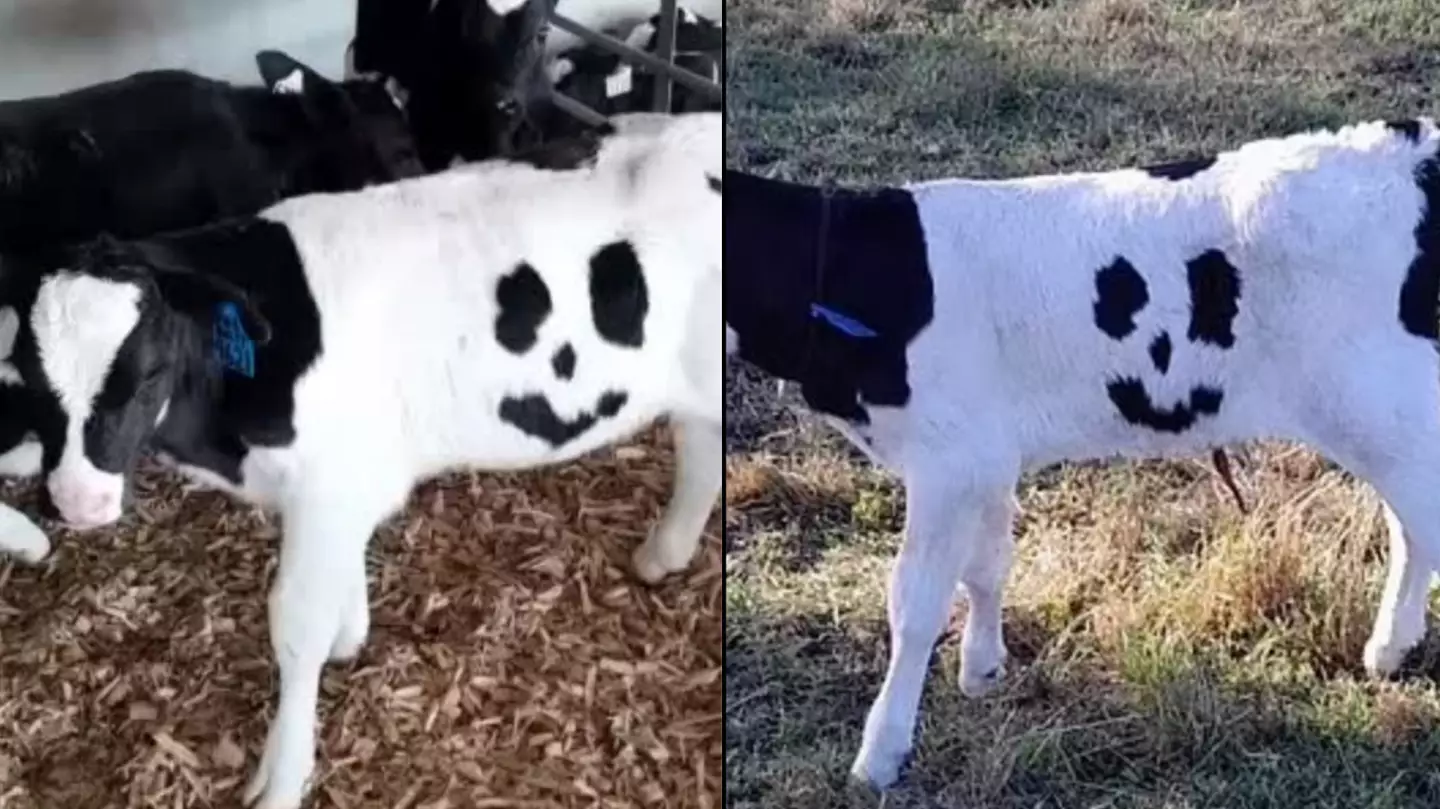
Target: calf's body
<point>972,330</point>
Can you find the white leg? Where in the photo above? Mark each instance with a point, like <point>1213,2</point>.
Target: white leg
<point>1387,432</point>
<point>699,474</point>
<point>322,557</point>
<point>944,515</point>
<point>20,537</point>
<point>354,622</point>
<point>982,657</point>
<point>1400,622</point>
<point>21,461</point>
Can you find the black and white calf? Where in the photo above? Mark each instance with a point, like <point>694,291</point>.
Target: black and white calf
<point>169,149</point>
<point>162,150</point>
<point>284,358</point>
<point>471,71</point>
<point>604,83</point>
<point>962,332</point>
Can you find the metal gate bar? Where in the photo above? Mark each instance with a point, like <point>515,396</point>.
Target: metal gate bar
<point>666,73</point>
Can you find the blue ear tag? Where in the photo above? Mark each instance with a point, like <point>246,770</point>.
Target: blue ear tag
<point>233,347</point>
<point>844,323</point>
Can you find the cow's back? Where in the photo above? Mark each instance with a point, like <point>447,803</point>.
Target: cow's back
<point>154,151</point>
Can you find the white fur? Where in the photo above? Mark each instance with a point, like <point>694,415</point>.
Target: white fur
<point>293,84</point>
<point>79,322</point>
<point>411,377</point>
<point>1011,373</point>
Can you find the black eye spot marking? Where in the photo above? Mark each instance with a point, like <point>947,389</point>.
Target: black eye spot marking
<point>533,415</point>
<point>1214,298</point>
<point>524,303</point>
<point>1120,295</point>
<point>618,297</point>
<point>1160,352</point>
<point>1179,169</point>
<point>563,363</point>
<point>1135,406</point>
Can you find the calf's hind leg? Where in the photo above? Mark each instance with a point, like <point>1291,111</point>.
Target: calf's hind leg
<point>945,522</point>
<point>699,474</point>
<point>1393,443</point>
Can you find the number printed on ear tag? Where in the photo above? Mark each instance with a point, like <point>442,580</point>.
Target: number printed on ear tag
<point>233,347</point>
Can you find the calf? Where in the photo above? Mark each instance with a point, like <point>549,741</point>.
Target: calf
<point>961,332</point>
<point>470,70</point>
<point>603,82</point>
<point>169,149</point>
<point>282,358</point>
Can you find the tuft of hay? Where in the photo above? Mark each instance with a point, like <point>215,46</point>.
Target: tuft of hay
<point>513,661</point>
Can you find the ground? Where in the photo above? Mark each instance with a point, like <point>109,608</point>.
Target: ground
<point>513,660</point>
<point>1167,650</point>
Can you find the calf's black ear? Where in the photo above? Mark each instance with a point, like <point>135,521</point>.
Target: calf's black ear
<point>283,73</point>
<point>201,296</point>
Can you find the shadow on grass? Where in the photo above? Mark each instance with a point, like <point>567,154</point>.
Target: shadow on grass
<point>1151,729</point>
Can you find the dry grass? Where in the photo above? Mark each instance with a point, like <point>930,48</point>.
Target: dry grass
<point>513,662</point>
<point>1168,651</point>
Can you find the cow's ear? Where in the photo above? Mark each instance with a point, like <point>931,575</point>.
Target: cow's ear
<point>284,74</point>
<point>202,295</point>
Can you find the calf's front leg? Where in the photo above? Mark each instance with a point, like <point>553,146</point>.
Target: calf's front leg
<point>945,522</point>
<point>313,616</point>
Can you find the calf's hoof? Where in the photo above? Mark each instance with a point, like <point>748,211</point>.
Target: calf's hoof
<point>1383,660</point>
<point>281,778</point>
<point>975,686</point>
<point>652,563</point>
<point>877,770</point>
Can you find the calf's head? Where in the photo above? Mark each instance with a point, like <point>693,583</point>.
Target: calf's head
<point>471,70</point>
<point>358,130</point>
<point>105,342</point>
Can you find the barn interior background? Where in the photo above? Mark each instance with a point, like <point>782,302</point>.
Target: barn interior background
<point>513,661</point>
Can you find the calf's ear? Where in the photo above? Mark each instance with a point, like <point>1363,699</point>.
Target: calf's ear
<point>201,295</point>
<point>284,74</point>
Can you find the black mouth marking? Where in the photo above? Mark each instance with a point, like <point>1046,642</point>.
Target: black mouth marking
<point>534,415</point>
<point>1135,405</point>
<point>1160,352</point>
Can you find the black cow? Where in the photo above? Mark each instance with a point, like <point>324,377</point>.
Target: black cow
<point>168,149</point>
<point>473,78</point>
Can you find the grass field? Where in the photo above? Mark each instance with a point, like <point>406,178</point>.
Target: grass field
<point>1166,650</point>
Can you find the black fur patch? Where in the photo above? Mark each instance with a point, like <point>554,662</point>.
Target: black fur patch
<point>1409,127</point>
<point>1421,290</point>
<point>1160,352</point>
<point>1179,169</point>
<point>534,415</point>
<point>1135,405</point>
<point>618,297</point>
<point>563,362</point>
<point>1214,298</point>
<point>524,303</point>
<point>714,183</point>
<point>1120,294</point>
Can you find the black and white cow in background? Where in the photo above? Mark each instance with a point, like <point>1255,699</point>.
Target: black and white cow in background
<point>283,358</point>
<point>615,15</point>
<point>471,71</point>
<point>962,332</point>
<point>603,82</point>
<point>162,150</point>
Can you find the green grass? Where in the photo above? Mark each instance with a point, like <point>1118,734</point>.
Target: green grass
<point>1167,651</point>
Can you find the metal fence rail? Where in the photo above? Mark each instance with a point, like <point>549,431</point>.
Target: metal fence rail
<point>663,65</point>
